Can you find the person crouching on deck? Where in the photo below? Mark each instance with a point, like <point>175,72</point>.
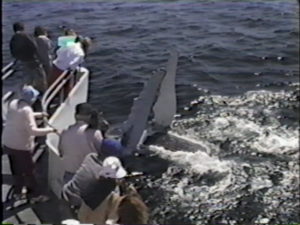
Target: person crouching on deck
<point>93,188</point>
<point>18,139</point>
<point>79,139</point>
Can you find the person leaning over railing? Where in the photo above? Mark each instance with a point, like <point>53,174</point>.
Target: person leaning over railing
<point>69,57</point>
<point>79,139</point>
<point>18,139</point>
<point>93,188</point>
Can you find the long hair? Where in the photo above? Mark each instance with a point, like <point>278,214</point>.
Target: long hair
<point>132,209</point>
<point>94,120</point>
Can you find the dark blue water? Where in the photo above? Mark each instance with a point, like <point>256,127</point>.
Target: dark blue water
<point>237,86</point>
<point>221,44</point>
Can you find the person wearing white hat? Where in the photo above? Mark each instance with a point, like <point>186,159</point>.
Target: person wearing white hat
<point>18,138</point>
<point>93,188</point>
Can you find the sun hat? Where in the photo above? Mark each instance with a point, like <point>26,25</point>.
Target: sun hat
<point>29,94</point>
<point>112,168</point>
<point>111,147</point>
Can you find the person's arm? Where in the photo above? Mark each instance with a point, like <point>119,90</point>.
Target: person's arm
<point>12,47</point>
<point>70,195</point>
<point>31,124</point>
<point>33,45</point>
<point>60,145</point>
<point>49,44</point>
<point>40,114</point>
<point>97,140</point>
<point>76,62</point>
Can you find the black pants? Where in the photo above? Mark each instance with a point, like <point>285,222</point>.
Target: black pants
<point>22,169</point>
<point>35,75</point>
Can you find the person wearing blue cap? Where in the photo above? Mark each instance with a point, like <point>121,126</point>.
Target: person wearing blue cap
<point>112,147</point>
<point>18,138</point>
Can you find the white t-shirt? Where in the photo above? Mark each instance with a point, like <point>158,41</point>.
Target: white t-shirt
<point>69,57</point>
<point>20,127</point>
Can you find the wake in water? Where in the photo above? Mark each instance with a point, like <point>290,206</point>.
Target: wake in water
<point>240,166</point>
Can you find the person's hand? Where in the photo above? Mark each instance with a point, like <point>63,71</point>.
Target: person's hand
<point>44,114</point>
<point>54,130</point>
<point>120,182</point>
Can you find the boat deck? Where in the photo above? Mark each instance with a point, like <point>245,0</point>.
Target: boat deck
<point>54,211</point>
<point>50,212</point>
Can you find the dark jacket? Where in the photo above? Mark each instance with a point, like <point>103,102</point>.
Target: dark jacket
<point>23,47</point>
<point>44,47</point>
<point>86,185</point>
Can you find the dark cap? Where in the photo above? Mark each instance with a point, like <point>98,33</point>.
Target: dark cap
<point>111,147</point>
<point>84,109</point>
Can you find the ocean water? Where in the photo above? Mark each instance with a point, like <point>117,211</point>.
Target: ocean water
<point>238,97</point>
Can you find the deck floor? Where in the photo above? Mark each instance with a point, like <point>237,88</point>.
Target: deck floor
<point>50,212</point>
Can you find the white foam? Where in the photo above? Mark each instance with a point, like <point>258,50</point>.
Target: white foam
<point>188,138</point>
<point>258,183</point>
<point>279,142</point>
<point>291,176</point>
<point>197,162</point>
<point>192,137</point>
<point>273,138</point>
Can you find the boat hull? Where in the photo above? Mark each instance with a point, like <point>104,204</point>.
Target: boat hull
<point>62,118</point>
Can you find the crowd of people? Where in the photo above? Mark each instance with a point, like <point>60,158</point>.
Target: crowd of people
<point>41,63</point>
<point>93,166</point>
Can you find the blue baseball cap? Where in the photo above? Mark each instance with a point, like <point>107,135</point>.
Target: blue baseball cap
<point>29,94</point>
<point>111,147</point>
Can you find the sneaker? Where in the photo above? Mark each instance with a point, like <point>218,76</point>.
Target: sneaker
<point>24,191</point>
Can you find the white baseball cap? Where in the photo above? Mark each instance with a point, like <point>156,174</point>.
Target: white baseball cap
<point>112,168</point>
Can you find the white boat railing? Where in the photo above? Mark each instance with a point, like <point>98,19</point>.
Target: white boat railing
<point>70,89</point>
<point>62,118</point>
<point>8,70</point>
<point>57,89</point>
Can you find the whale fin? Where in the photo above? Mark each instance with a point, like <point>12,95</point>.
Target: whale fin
<point>159,97</point>
<point>137,121</point>
<point>165,106</point>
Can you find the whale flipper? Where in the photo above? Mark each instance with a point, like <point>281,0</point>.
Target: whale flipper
<point>165,106</point>
<point>159,97</point>
<point>137,121</point>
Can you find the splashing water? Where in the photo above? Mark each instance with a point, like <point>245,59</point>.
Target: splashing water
<point>240,166</point>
